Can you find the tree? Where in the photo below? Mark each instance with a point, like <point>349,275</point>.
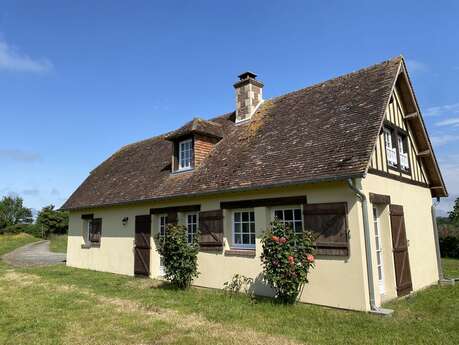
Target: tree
<point>53,221</point>
<point>454,214</point>
<point>12,212</point>
<point>180,257</point>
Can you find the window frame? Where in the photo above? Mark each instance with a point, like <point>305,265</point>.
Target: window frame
<point>89,232</point>
<point>233,227</point>
<point>162,227</point>
<point>379,253</point>
<point>187,224</point>
<point>286,208</point>
<point>182,152</point>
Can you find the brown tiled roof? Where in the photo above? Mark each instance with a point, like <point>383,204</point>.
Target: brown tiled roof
<point>197,126</point>
<point>323,132</point>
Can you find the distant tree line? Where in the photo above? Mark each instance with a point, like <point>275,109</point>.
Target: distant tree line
<point>448,230</point>
<point>15,218</point>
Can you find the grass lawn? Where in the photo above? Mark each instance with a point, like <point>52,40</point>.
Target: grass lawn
<point>61,305</point>
<point>58,243</point>
<point>9,242</point>
<point>450,268</point>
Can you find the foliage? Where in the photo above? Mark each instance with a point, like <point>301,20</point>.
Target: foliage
<point>448,234</point>
<point>237,284</point>
<point>31,229</point>
<point>454,214</point>
<point>286,258</point>
<point>58,243</point>
<point>12,212</point>
<point>180,257</point>
<point>52,221</point>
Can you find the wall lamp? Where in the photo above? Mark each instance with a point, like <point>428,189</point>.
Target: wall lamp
<point>125,220</point>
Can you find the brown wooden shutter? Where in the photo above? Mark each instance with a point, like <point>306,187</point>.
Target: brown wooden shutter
<point>328,222</point>
<point>172,217</point>
<point>211,229</point>
<point>96,230</point>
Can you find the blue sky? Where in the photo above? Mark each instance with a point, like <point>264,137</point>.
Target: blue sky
<point>80,79</point>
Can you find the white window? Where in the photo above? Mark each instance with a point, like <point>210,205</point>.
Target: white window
<point>244,229</point>
<point>404,162</point>
<point>162,225</point>
<point>290,216</point>
<point>391,152</point>
<point>185,154</point>
<point>379,251</point>
<point>191,226</point>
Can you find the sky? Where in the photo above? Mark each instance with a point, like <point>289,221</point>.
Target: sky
<point>80,79</point>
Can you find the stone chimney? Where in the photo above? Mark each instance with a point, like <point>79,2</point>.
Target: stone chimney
<point>248,96</point>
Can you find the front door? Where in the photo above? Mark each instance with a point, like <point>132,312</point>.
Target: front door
<point>400,249</point>
<point>142,245</point>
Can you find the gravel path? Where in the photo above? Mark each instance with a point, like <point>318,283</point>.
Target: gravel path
<point>34,254</point>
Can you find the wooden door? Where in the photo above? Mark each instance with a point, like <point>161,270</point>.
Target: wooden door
<point>142,245</point>
<point>400,249</point>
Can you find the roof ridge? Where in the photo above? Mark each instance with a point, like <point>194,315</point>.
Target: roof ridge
<point>343,76</point>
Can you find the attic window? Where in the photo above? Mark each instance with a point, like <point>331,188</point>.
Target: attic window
<point>185,154</point>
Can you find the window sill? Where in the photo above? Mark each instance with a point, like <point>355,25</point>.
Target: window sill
<point>90,245</point>
<point>179,171</point>
<point>250,253</point>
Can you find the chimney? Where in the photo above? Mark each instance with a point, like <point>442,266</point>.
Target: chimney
<point>248,96</point>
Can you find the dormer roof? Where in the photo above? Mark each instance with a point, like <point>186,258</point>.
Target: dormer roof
<point>197,126</point>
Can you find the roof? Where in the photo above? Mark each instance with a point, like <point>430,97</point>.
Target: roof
<point>319,133</point>
<point>197,126</point>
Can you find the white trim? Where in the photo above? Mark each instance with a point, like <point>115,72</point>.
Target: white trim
<point>233,227</point>
<point>379,252</point>
<point>161,265</point>
<point>181,151</point>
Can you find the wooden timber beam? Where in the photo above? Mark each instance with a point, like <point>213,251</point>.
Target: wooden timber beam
<point>424,153</point>
<point>411,116</point>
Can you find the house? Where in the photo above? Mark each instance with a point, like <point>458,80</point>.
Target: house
<point>348,159</point>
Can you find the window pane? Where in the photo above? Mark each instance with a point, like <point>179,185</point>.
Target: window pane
<point>252,216</point>
<point>297,214</point>
<point>245,239</point>
<point>288,214</point>
<point>245,227</point>
<point>245,216</point>
<point>237,217</point>
<point>298,227</point>
<point>252,239</point>
<point>237,239</point>
<point>252,227</point>
<point>237,227</point>
<point>279,214</point>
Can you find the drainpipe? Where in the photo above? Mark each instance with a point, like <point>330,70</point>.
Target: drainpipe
<point>367,236</point>
<point>437,242</point>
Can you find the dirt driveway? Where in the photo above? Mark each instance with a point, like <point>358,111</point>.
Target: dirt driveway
<point>34,254</point>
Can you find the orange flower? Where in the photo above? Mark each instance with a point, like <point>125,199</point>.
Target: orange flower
<point>275,238</point>
<point>291,260</point>
<point>310,257</point>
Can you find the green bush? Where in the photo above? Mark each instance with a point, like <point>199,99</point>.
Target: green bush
<point>31,229</point>
<point>180,257</point>
<point>449,240</point>
<point>286,258</point>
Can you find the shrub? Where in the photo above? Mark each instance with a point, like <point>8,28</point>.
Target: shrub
<point>286,258</point>
<point>180,257</point>
<point>449,240</point>
<point>237,284</point>
<point>31,229</point>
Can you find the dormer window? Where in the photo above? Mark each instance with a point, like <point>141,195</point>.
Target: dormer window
<point>185,154</point>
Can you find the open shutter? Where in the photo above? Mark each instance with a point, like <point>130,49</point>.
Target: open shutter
<point>211,229</point>
<point>172,217</point>
<point>328,222</point>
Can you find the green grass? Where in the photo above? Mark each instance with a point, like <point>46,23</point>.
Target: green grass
<point>450,267</point>
<point>58,243</point>
<point>9,242</point>
<point>63,305</point>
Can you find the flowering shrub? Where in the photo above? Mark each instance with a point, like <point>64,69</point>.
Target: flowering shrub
<point>286,258</point>
<point>180,257</point>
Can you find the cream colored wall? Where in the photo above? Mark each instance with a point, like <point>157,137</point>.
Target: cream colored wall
<point>416,202</point>
<point>338,282</point>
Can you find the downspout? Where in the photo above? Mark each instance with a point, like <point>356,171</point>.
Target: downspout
<point>366,232</point>
<point>437,241</point>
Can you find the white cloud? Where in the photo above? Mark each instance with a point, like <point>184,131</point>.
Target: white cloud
<point>440,140</point>
<point>449,122</point>
<point>416,66</point>
<point>12,60</point>
<point>19,155</point>
<point>447,109</point>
